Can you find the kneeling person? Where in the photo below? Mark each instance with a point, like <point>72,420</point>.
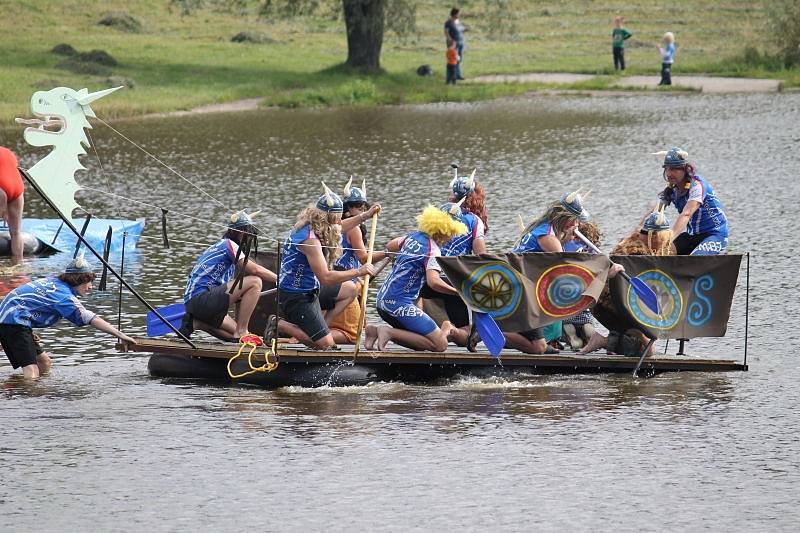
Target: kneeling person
<point>211,288</point>
<point>42,303</point>
<point>308,284</point>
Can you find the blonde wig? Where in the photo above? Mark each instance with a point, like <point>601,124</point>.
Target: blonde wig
<point>329,234</point>
<point>558,216</point>
<point>438,225</point>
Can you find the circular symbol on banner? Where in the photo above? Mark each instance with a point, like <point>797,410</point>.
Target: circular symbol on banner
<point>559,290</point>
<point>670,301</point>
<point>494,288</point>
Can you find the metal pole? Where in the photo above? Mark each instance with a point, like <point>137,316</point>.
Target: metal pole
<point>747,309</point>
<point>644,353</point>
<point>121,272</point>
<point>81,238</point>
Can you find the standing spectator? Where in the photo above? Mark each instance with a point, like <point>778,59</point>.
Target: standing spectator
<point>667,58</point>
<point>618,36</point>
<point>452,63</point>
<point>454,31</point>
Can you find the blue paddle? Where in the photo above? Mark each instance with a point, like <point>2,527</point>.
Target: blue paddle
<point>174,314</point>
<point>641,289</point>
<point>490,332</point>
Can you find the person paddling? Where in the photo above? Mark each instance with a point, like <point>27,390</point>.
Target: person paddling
<point>40,304</point>
<point>308,284</point>
<point>415,263</point>
<point>354,251</point>
<point>212,287</point>
<point>701,227</point>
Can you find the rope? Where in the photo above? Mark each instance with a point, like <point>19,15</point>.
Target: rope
<point>268,365</point>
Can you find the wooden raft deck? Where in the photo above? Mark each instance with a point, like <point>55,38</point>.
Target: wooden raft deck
<point>403,364</point>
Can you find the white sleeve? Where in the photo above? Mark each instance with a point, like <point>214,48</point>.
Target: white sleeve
<point>435,252</point>
<point>697,192</point>
<point>479,230</point>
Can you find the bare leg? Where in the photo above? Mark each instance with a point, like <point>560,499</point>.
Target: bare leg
<point>44,363</point>
<point>371,335</point>
<point>435,341</point>
<point>247,296</point>
<point>347,293</point>
<point>225,332</point>
<point>14,216</point>
<point>287,328</point>
<point>30,371</point>
<point>339,337</point>
<point>596,342</point>
<point>523,344</point>
<point>459,335</point>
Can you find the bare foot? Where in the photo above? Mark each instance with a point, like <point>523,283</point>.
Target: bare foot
<point>371,337</point>
<point>447,328</point>
<point>596,341</point>
<point>384,336</point>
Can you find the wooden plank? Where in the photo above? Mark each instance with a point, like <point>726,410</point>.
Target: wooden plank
<point>456,357</point>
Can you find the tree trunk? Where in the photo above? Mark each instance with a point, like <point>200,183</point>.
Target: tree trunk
<point>364,21</point>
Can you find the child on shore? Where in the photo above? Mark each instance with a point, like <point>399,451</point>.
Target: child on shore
<point>452,62</point>
<point>618,36</point>
<point>667,58</point>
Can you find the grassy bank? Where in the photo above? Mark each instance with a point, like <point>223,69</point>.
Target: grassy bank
<point>180,62</point>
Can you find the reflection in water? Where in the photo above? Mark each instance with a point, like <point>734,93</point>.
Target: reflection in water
<point>544,452</point>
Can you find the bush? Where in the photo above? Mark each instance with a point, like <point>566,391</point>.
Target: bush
<point>785,30</point>
<point>121,21</point>
<point>64,49</point>
<point>252,37</point>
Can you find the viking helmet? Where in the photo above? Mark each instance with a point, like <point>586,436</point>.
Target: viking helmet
<point>573,202</point>
<point>462,186</point>
<point>241,220</point>
<point>656,221</point>
<point>330,202</point>
<point>674,158</point>
<point>454,210</point>
<point>354,195</point>
<point>79,265</point>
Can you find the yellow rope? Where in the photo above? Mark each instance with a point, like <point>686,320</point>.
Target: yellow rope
<point>268,365</point>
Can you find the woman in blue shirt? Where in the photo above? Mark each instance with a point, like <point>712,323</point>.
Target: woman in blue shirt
<point>42,303</point>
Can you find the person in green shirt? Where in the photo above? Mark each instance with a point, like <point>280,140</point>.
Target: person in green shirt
<point>618,36</point>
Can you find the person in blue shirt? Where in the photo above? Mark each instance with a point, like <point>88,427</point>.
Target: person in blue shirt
<point>40,304</point>
<point>415,264</point>
<point>667,58</point>
<point>212,288</point>
<point>701,227</point>
<point>354,252</point>
<point>308,283</point>
<point>454,32</point>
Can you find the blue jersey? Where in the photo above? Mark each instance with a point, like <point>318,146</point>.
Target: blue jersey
<point>296,274</point>
<point>576,245</point>
<point>348,259</point>
<point>42,303</point>
<point>530,241</point>
<point>668,53</point>
<point>709,217</point>
<point>462,244</point>
<point>402,285</point>
<point>214,267</point>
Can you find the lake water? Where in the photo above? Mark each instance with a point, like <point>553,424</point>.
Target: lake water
<point>99,445</point>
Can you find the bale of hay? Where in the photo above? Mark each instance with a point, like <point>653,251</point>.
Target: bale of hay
<point>100,57</point>
<point>122,21</point>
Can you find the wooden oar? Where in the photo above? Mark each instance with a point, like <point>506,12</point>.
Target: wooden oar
<point>641,289</point>
<point>362,317</point>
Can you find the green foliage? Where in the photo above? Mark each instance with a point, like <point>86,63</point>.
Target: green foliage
<point>500,19</point>
<point>401,19</point>
<point>784,17</point>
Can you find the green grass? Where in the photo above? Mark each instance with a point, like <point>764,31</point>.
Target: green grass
<point>183,62</point>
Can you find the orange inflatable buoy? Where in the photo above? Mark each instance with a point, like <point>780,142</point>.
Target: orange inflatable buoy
<point>10,178</point>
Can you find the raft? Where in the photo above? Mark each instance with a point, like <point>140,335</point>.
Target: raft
<point>298,366</point>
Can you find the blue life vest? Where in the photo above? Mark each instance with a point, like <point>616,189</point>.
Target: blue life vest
<point>214,267</point>
<point>296,274</point>
<point>404,282</point>
<point>42,303</point>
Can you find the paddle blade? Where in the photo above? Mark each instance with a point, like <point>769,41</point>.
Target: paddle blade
<point>173,313</point>
<point>490,332</point>
<point>645,294</point>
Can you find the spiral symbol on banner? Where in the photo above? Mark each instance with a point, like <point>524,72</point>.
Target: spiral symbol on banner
<point>559,290</point>
<point>670,301</point>
<point>494,288</point>
<point>700,310</point>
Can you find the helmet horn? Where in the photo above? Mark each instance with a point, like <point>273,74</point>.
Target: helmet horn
<point>347,187</point>
<point>520,222</point>
<point>328,198</point>
<point>471,181</point>
<point>364,187</point>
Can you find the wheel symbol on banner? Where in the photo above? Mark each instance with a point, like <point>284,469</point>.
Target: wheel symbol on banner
<point>559,290</point>
<point>670,301</point>
<point>494,288</point>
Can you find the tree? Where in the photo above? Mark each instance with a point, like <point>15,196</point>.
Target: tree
<point>364,20</point>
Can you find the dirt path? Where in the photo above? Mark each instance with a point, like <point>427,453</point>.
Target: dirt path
<point>706,84</point>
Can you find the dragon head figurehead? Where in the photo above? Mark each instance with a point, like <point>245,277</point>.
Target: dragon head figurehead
<point>61,116</point>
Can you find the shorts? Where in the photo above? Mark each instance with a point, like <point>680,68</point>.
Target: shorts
<point>211,306</point>
<point>303,310</point>
<point>20,344</point>
<point>328,295</point>
<point>701,244</point>
<point>533,334</point>
<point>408,317</point>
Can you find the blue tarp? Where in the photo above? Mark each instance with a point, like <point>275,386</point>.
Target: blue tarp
<point>45,229</point>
